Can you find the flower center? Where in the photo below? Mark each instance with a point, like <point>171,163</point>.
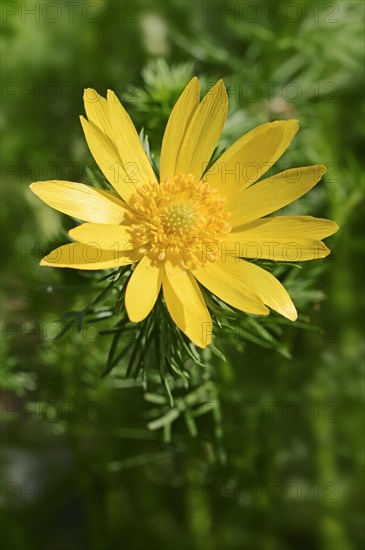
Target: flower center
<point>180,219</point>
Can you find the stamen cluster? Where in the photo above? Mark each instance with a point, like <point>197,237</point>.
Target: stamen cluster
<point>180,219</point>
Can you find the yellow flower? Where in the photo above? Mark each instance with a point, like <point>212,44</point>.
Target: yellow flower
<point>195,224</point>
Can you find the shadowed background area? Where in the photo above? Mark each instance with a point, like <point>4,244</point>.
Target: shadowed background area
<point>80,468</point>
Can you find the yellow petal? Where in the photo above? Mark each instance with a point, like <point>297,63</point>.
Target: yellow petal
<point>290,249</point>
<point>105,236</point>
<point>186,305</point>
<point>131,152</point>
<point>80,201</point>
<point>97,111</point>
<point>306,227</point>
<point>82,256</point>
<point>263,284</point>
<point>203,132</point>
<point>143,289</point>
<point>227,285</point>
<point>251,157</point>
<point>177,125</point>
<point>272,193</point>
<point>284,238</point>
<point>107,158</point>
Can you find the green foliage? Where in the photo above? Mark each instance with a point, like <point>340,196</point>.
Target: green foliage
<point>162,86</point>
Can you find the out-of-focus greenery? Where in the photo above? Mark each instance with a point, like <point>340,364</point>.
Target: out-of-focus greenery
<point>80,468</point>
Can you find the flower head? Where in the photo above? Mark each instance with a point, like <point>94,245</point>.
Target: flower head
<point>195,224</point>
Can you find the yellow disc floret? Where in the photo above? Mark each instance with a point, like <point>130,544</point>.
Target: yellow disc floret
<point>180,219</point>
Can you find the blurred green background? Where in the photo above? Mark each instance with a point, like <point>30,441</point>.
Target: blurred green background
<point>80,468</point>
